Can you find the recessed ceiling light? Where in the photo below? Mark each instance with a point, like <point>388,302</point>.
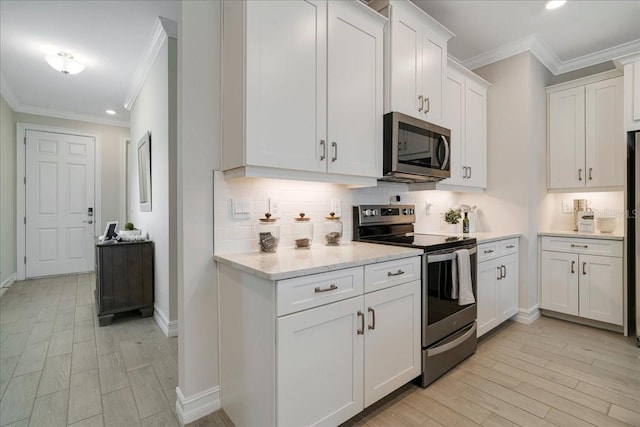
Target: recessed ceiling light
<point>554,4</point>
<point>64,63</point>
<point>110,112</point>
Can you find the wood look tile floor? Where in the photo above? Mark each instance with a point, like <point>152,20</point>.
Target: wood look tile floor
<point>58,367</point>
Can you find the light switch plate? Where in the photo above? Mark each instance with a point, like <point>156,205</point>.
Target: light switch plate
<point>274,206</point>
<point>241,208</point>
<point>566,206</point>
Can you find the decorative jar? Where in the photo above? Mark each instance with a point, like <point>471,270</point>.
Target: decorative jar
<point>302,231</point>
<point>332,230</point>
<point>268,234</point>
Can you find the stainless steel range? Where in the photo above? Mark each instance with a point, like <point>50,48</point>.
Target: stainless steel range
<point>448,321</point>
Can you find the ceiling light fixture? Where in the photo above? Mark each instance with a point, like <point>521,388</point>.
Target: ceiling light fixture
<point>111,112</point>
<point>554,4</point>
<point>64,63</point>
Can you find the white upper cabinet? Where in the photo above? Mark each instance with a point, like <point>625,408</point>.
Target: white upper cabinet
<point>415,60</point>
<point>631,66</point>
<point>586,141</point>
<point>302,90</point>
<point>465,113</point>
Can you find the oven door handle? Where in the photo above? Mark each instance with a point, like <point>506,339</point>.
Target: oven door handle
<point>448,346</point>
<point>446,257</point>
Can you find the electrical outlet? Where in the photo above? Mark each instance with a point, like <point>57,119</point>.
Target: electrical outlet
<point>274,206</point>
<point>566,206</point>
<point>427,208</point>
<point>336,207</point>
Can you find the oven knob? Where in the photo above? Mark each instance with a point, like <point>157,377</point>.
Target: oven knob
<point>367,212</point>
<point>412,211</point>
<point>374,212</point>
<point>405,211</point>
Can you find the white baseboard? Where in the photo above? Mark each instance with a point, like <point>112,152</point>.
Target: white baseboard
<point>197,406</point>
<point>170,328</point>
<point>7,283</point>
<point>527,316</point>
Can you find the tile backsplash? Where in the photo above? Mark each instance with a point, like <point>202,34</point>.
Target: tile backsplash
<point>233,235</point>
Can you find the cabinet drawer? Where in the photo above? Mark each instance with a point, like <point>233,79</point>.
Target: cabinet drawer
<point>583,246</point>
<point>487,251</point>
<point>390,273</point>
<point>506,247</point>
<point>305,292</point>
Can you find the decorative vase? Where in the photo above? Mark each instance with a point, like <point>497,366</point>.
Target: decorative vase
<point>452,228</point>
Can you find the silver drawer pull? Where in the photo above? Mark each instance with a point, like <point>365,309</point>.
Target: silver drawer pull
<point>333,287</point>
<point>360,331</point>
<point>488,251</point>
<point>573,245</point>
<point>510,246</point>
<point>397,273</point>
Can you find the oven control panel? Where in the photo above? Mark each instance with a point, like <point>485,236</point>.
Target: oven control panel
<point>384,214</point>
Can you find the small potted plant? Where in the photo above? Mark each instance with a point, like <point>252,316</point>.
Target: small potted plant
<point>130,232</point>
<point>451,217</point>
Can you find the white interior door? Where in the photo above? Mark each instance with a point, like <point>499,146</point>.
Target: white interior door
<point>59,196</point>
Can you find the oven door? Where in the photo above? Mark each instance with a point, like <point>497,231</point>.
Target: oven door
<point>442,315</point>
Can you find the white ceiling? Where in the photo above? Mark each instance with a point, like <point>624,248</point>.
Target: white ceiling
<point>110,37</point>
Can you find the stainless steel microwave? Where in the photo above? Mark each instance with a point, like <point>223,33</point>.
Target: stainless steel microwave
<point>414,150</point>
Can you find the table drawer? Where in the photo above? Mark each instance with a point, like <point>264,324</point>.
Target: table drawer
<point>583,246</point>
<point>390,273</point>
<point>304,292</point>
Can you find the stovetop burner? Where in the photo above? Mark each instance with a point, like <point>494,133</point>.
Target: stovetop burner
<point>393,225</point>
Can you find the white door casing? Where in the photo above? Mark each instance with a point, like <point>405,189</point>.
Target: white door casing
<point>59,194</point>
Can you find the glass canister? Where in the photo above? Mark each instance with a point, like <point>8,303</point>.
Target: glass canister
<point>302,231</point>
<point>268,234</point>
<point>332,230</point>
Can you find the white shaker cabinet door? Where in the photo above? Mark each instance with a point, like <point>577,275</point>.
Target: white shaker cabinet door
<point>559,282</point>
<point>605,138</point>
<point>320,364</point>
<point>487,291</point>
<point>392,343</point>
<point>601,288</point>
<point>453,117</point>
<point>286,84</point>
<point>508,287</point>
<point>355,61</point>
<point>566,138</point>
<point>475,134</point>
<point>434,65</point>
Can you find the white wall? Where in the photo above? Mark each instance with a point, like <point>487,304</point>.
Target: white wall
<point>606,203</point>
<point>198,155</point>
<point>151,112</point>
<point>7,194</point>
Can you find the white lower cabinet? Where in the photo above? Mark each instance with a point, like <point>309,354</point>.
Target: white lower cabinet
<point>578,283</point>
<point>497,283</point>
<point>327,361</point>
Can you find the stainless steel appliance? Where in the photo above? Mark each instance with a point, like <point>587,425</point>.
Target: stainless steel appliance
<point>448,328</point>
<point>633,230</point>
<point>414,150</point>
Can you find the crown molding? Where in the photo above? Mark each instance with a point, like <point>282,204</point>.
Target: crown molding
<point>162,29</point>
<point>541,50</point>
<point>7,93</point>
<point>52,112</point>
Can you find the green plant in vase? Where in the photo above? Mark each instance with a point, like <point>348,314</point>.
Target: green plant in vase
<point>451,216</point>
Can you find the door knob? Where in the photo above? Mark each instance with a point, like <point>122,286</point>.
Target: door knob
<point>89,221</point>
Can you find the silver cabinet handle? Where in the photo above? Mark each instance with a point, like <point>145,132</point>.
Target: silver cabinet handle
<point>510,246</point>
<point>488,251</point>
<point>373,318</point>
<point>504,271</point>
<point>323,144</point>
<point>499,273</point>
<point>360,330</point>
<point>584,268</point>
<point>428,107</point>
<point>334,145</point>
<point>579,174</point>
<point>470,171</point>
<point>464,172</point>
<point>421,103</point>
<point>333,287</point>
<point>590,177</point>
<point>573,267</point>
<point>397,273</point>
<point>573,245</point>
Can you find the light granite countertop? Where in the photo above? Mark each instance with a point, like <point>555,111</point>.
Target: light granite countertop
<point>289,262</point>
<point>594,235</point>
<point>488,236</point>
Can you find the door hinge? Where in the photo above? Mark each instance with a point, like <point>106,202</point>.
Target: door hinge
<point>25,260</point>
<point>25,140</point>
<point>25,180</point>
<point>25,220</point>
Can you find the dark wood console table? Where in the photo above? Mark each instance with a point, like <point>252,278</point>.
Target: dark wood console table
<point>124,279</point>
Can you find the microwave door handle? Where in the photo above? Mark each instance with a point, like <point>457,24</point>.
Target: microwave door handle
<point>445,162</point>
